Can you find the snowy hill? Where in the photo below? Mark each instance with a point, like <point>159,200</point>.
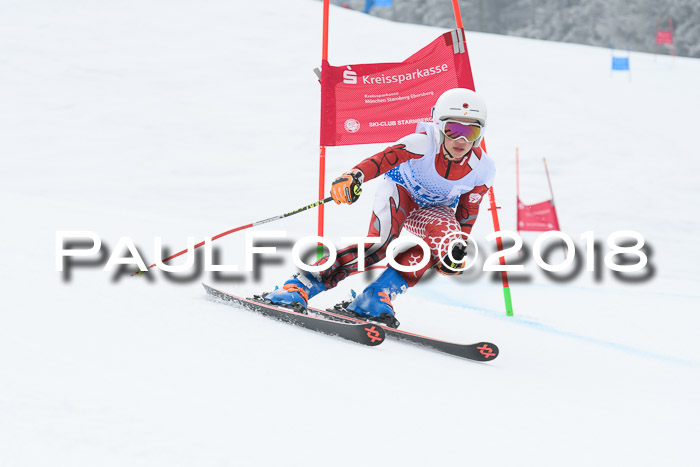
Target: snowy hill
<point>179,119</point>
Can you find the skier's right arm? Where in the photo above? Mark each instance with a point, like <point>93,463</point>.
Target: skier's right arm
<point>346,188</point>
<point>410,147</point>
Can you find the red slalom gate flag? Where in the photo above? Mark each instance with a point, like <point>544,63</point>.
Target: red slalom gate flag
<point>664,37</point>
<point>382,102</point>
<point>539,217</point>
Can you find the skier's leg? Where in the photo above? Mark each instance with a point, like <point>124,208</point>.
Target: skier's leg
<point>437,226</point>
<point>375,301</point>
<point>392,205</point>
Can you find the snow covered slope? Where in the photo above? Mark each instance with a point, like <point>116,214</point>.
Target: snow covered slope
<point>185,118</point>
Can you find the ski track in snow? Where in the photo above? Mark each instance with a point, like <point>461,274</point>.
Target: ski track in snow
<point>500,315</point>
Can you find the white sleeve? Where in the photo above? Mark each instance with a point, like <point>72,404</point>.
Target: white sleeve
<point>416,143</point>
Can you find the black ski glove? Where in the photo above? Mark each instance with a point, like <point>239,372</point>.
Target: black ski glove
<point>453,268</point>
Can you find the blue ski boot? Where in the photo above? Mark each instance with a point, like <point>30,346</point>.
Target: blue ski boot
<point>296,292</point>
<point>374,303</point>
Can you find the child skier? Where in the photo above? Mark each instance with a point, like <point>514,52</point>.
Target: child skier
<point>426,175</point>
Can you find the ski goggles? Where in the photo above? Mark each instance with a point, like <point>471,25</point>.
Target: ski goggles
<point>455,130</point>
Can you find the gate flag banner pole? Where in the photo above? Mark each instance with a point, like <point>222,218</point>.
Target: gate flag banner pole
<point>664,37</point>
<point>539,217</point>
<point>620,63</point>
<point>322,149</point>
<point>382,102</point>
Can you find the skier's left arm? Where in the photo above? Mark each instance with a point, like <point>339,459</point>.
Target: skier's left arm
<point>468,207</point>
<point>467,211</point>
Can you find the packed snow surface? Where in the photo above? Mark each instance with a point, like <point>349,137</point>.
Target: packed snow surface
<point>185,119</point>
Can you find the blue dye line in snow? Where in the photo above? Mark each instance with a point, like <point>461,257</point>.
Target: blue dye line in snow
<point>619,292</point>
<point>551,329</point>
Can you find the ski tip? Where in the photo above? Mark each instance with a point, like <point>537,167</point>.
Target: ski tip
<point>487,351</point>
<point>375,334</point>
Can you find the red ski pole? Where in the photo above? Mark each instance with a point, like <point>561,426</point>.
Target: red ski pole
<point>243,227</point>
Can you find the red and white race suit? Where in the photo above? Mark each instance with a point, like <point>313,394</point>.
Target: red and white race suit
<point>422,191</point>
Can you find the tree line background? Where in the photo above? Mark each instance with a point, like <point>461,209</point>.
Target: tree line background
<point>630,23</point>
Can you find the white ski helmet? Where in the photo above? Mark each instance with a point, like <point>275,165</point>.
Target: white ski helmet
<point>460,103</point>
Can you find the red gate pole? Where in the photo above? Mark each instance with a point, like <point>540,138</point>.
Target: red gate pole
<point>493,208</point>
<point>458,14</point>
<point>517,173</point>
<point>517,190</point>
<point>322,152</point>
<point>551,193</point>
<point>549,180</point>
<point>501,259</point>
<point>656,39</point>
<point>673,42</point>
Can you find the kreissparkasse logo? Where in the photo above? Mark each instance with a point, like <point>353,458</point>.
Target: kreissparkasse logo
<point>349,76</point>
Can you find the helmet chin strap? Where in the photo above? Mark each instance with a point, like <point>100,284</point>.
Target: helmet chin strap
<point>453,158</point>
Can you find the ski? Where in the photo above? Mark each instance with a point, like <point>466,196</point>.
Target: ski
<point>360,332</point>
<point>481,351</point>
